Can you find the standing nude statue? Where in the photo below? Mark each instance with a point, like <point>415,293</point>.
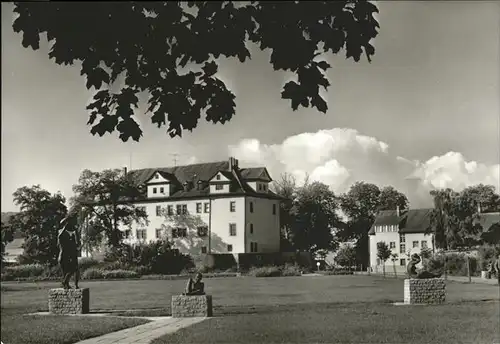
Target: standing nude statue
<point>420,274</point>
<point>69,243</point>
<point>195,287</point>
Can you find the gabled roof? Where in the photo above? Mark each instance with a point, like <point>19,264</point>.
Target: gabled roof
<point>203,172</point>
<point>255,173</point>
<point>165,175</point>
<point>410,221</point>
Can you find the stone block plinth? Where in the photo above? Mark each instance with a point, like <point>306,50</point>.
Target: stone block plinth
<point>184,306</point>
<point>424,291</point>
<point>69,301</point>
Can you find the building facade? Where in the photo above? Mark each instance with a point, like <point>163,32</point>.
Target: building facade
<point>208,208</point>
<point>404,233</point>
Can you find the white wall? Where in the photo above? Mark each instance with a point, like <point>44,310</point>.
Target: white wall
<point>158,187</point>
<point>388,237</point>
<point>266,227</point>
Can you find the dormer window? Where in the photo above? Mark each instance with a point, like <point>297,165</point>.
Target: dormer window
<point>157,176</point>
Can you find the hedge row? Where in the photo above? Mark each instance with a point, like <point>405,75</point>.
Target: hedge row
<point>275,271</point>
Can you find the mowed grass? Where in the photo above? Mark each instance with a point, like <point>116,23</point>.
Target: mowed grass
<point>54,329</point>
<point>329,309</point>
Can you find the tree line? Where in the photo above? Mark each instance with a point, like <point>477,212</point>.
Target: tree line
<point>313,218</point>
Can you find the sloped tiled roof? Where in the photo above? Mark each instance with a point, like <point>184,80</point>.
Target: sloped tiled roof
<point>385,218</point>
<point>255,173</point>
<point>202,172</point>
<point>487,220</point>
<point>416,221</point>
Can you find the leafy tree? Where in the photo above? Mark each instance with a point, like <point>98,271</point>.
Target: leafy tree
<point>394,259</point>
<point>361,204</point>
<point>483,196</point>
<point>456,214</point>
<point>314,218</point>
<point>152,43</point>
<point>390,199</point>
<point>7,234</point>
<point>107,202</point>
<point>39,220</point>
<point>346,256</point>
<point>286,187</point>
<point>383,253</point>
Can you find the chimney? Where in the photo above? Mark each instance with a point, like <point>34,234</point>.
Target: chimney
<point>397,210</point>
<point>125,171</point>
<point>233,164</point>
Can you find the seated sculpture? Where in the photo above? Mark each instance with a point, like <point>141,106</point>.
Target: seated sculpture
<point>419,274</point>
<point>195,287</point>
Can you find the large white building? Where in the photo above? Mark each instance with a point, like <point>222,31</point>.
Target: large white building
<point>208,208</point>
<point>404,233</point>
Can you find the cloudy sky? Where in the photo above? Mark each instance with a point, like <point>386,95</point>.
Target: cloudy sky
<point>427,107</point>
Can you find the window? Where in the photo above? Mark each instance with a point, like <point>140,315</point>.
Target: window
<point>274,209</point>
<point>423,244</point>
<point>219,187</point>
<point>232,229</point>
<point>402,248</point>
<point>264,187</point>
<point>253,247</point>
<point>415,244</point>
<point>229,248</point>
<point>202,231</point>
<point>157,176</point>
<point>158,233</point>
<point>251,207</point>
<point>402,238</point>
<point>402,262</point>
<point>184,209</point>
<point>154,190</point>
<point>260,186</point>
<point>232,206</point>
<point>162,190</point>
<point>178,209</point>
<point>217,177</point>
<point>142,208</point>
<point>158,210</point>
<point>127,233</point>
<point>203,249</point>
<point>392,244</point>
<point>141,234</point>
<point>207,207</point>
<point>198,208</point>
<point>179,232</point>
<point>170,210</point>
<point>251,228</point>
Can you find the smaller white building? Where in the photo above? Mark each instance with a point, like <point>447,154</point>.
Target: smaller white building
<point>404,232</point>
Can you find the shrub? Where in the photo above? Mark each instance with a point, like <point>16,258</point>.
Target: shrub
<point>486,254</point>
<point>291,270</point>
<point>141,270</point>
<point>93,273</point>
<point>265,271</point>
<point>86,262</point>
<point>336,272</point>
<point>116,274</point>
<point>25,271</point>
<point>108,266</point>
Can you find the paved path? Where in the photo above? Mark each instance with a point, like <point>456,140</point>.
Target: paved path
<point>461,279</point>
<point>144,334</point>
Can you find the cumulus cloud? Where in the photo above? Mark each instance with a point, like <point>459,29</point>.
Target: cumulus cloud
<point>339,157</point>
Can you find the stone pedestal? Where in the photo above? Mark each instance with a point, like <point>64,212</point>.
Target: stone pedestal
<point>69,301</point>
<point>184,306</point>
<point>426,291</point>
<point>485,275</point>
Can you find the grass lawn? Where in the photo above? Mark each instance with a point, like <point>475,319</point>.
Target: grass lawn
<point>290,309</point>
<point>53,329</point>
